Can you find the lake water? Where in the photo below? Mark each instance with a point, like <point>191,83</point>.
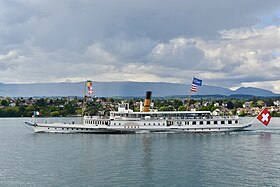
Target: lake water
<point>246,158</point>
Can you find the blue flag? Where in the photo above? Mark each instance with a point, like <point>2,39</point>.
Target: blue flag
<point>197,81</point>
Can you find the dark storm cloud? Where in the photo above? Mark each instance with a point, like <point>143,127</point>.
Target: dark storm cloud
<point>77,24</point>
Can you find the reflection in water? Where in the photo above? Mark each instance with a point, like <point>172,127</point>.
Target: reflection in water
<point>265,136</point>
<point>265,143</point>
<point>147,158</point>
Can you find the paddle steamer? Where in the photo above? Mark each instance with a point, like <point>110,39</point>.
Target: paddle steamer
<point>125,120</point>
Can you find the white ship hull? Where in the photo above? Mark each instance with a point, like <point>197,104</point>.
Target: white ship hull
<point>133,128</point>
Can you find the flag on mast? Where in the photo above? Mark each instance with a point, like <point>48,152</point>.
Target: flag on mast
<point>264,117</point>
<point>89,87</point>
<point>196,82</point>
<point>193,88</point>
<point>36,113</point>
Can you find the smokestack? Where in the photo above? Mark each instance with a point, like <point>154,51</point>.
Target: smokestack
<point>147,101</point>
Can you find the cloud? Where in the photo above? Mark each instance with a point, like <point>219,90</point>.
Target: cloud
<point>238,55</point>
<point>77,24</point>
<point>178,53</point>
<point>225,43</point>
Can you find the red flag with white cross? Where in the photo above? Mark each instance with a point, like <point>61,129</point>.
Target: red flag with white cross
<point>264,117</point>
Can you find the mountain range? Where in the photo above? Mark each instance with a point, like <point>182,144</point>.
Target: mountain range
<point>122,89</point>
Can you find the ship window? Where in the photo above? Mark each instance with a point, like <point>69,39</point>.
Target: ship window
<point>154,124</point>
<point>201,122</point>
<point>194,122</point>
<point>72,129</point>
<point>114,123</point>
<point>48,128</point>
<point>149,124</point>
<point>222,122</point>
<point>119,123</point>
<point>236,121</point>
<point>67,129</point>
<point>208,122</point>
<point>144,123</point>
<point>215,122</point>
<point>158,123</point>
<point>54,128</point>
<point>229,122</point>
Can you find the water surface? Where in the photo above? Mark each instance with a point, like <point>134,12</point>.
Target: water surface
<point>246,158</point>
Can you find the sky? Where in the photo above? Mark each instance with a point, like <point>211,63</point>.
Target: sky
<point>228,43</point>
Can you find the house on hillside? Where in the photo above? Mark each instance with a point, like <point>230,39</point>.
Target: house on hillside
<point>277,103</point>
<point>247,105</point>
<point>216,112</point>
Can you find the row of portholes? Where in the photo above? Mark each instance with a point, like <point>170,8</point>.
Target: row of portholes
<point>154,124</point>
<point>202,122</point>
<point>97,122</point>
<point>149,124</point>
<point>69,128</point>
<point>202,129</point>
<point>178,123</point>
<point>125,127</point>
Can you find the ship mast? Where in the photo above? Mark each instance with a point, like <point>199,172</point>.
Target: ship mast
<point>84,103</point>
<point>196,82</point>
<point>189,100</point>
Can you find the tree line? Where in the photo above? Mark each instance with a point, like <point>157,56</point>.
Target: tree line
<point>56,107</point>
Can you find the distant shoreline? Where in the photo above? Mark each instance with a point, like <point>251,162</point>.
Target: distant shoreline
<point>72,107</point>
